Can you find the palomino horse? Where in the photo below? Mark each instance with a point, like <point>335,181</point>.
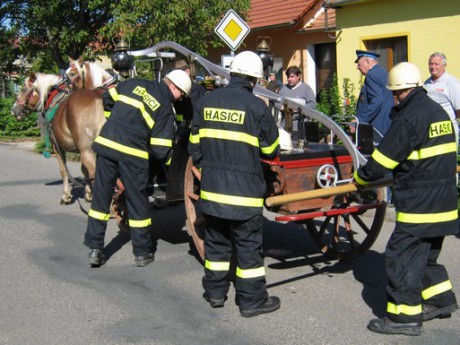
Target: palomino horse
<point>86,75</point>
<point>76,123</point>
<point>74,127</point>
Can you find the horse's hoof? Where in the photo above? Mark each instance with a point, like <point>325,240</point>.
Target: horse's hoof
<point>66,202</point>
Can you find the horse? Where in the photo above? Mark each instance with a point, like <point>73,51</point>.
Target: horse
<point>78,118</point>
<point>86,75</point>
<point>74,127</point>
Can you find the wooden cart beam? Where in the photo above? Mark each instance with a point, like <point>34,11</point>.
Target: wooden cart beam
<point>324,193</point>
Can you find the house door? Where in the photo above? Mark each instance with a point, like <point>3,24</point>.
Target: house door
<point>326,66</point>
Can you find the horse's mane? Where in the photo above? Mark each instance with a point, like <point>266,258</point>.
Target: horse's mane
<point>43,83</point>
<point>94,74</point>
<point>98,74</point>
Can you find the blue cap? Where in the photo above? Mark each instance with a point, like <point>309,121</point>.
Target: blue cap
<point>362,53</point>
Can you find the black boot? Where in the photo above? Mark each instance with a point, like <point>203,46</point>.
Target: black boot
<point>144,260</point>
<point>431,312</point>
<point>96,257</point>
<point>271,304</point>
<point>386,326</point>
<point>215,302</point>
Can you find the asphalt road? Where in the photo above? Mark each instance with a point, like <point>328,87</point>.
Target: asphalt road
<point>49,295</point>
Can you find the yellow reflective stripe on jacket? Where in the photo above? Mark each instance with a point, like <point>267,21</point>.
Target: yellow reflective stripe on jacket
<point>436,289</point>
<point>359,179</point>
<point>433,151</point>
<point>404,309</point>
<point>271,148</point>
<point>139,105</point>
<point>229,135</point>
<point>194,138</point>
<point>217,265</point>
<point>168,163</point>
<point>161,142</point>
<point>107,114</point>
<point>122,148</point>
<point>114,93</point>
<point>388,163</point>
<point>232,199</point>
<point>250,273</point>
<point>419,218</point>
<point>139,223</point>
<point>98,215</point>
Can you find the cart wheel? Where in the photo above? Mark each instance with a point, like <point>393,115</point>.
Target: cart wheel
<point>195,222</point>
<point>348,235</point>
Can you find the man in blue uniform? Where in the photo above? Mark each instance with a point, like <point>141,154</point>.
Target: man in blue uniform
<point>231,130</point>
<point>420,150</point>
<point>375,100</point>
<point>140,121</point>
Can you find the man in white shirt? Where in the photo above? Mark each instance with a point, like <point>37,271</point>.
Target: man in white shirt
<point>444,88</point>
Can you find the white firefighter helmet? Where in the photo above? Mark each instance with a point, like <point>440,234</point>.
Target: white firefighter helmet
<point>404,75</point>
<point>247,63</point>
<point>181,79</point>
<point>285,140</point>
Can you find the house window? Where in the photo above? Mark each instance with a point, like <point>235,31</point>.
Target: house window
<point>392,50</point>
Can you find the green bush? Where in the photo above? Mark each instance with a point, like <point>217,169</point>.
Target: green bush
<point>331,102</point>
<point>10,127</point>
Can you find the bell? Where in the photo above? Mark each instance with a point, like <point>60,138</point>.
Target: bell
<point>263,46</point>
<point>122,62</point>
<point>121,45</point>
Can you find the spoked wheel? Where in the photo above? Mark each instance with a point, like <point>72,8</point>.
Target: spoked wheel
<point>347,231</point>
<point>195,222</point>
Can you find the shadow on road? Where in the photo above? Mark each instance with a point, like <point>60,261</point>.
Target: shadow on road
<point>167,225</point>
<point>369,270</point>
<point>292,246</point>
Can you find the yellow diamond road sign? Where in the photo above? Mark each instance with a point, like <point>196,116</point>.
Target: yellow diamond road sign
<point>232,29</point>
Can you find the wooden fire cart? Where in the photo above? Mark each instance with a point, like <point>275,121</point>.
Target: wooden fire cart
<point>308,185</point>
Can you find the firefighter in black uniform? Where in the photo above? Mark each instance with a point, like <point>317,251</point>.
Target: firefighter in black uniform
<point>140,121</point>
<point>231,130</point>
<point>420,150</point>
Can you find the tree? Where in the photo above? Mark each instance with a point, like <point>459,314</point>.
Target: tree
<point>190,23</point>
<point>72,28</point>
<point>9,47</point>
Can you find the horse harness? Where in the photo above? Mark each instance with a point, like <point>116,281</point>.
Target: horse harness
<point>29,104</point>
<point>74,76</point>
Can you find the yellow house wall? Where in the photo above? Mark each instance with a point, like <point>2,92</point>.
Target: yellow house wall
<point>430,26</point>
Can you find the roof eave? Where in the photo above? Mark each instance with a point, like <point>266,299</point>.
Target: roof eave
<point>340,3</point>
<point>276,26</point>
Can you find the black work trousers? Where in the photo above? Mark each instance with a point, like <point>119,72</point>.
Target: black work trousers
<point>134,179</point>
<point>415,277</point>
<point>221,236</point>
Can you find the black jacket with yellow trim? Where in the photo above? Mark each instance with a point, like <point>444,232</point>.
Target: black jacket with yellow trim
<point>231,130</point>
<point>139,122</point>
<point>420,150</point>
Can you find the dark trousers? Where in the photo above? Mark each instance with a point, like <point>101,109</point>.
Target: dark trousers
<point>246,237</point>
<point>412,268</point>
<point>134,179</point>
